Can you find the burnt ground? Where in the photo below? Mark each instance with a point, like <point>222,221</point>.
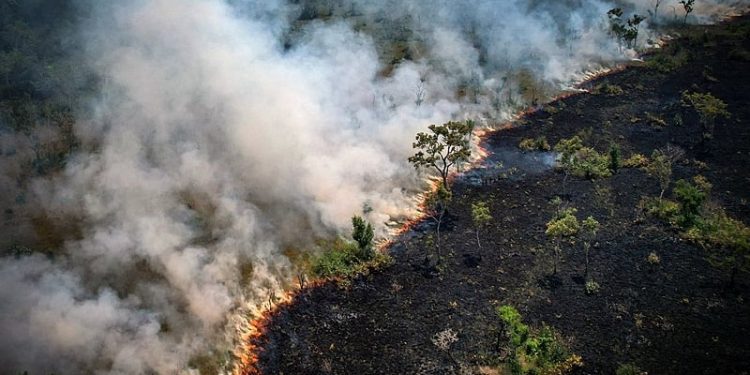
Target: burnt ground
<point>675,317</point>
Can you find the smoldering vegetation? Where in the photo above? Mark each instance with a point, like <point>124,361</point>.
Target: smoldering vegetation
<point>161,159</point>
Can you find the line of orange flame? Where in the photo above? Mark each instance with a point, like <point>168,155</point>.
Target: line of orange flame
<point>252,328</point>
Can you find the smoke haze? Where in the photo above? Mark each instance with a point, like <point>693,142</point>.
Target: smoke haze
<point>226,133</point>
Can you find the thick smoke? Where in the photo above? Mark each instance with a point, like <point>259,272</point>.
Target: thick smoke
<point>227,133</point>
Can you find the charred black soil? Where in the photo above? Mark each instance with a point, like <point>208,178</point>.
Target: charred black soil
<point>674,317</point>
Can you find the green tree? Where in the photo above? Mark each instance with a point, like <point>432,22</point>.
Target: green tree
<point>660,166</point>
<point>631,31</point>
<point>589,229</point>
<point>616,27</point>
<point>691,199</point>
<point>567,149</point>
<point>363,234</point>
<point>708,107</point>
<point>444,147</point>
<point>728,243</point>
<point>624,32</point>
<point>614,157</point>
<point>480,214</point>
<point>564,225</point>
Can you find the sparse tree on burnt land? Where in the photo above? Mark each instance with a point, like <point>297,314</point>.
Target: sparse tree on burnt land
<point>708,107</point>
<point>589,229</point>
<point>443,148</point>
<point>660,166</point>
<point>480,214</point>
<point>563,226</point>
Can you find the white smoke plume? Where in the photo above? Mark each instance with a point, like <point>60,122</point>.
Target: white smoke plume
<point>225,133</point>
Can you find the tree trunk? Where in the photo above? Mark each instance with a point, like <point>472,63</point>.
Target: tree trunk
<point>586,251</point>
<point>437,230</point>
<point>557,254</point>
<point>479,245</point>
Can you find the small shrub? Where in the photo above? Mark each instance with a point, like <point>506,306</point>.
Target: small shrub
<point>338,260</point>
<point>652,258</point>
<point>663,209</point>
<point>726,239</point>
<point>708,107</point>
<point>666,63</point>
<point>535,352</point>
<point>635,161</point>
<point>343,259</point>
<point>562,226</point>
<point>608,89</point>
<point>589,164</point>
<point>581,161</point>
<point>592,287</point>
<point>517,331</point>
<point>691,199</point>
<point>539,143</point>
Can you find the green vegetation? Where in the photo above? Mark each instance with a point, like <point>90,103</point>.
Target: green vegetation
<point>535,351</point>
<point>690,198</point>
<point>625,32</point>
<point>614,157</point>
<point>660,166</point>
<point>363,234</point>
<point>445,147</point>
<point>480,214</point>
<point>726,240</point>
<point>608,89</point>
<point>535,144</point>
<point>635,161</point>
<point>670,58</point>
<point>563,225</point>
<point>592,287</point>
<point>581,161</point>
<point>342,258</point>
<point>708,107</point>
